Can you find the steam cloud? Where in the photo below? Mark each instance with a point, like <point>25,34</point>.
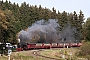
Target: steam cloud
<point>46,32</point>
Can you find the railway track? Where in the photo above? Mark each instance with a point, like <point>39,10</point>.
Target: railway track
<point>37,53</point>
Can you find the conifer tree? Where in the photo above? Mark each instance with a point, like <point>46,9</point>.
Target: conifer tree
<point>3,26</point>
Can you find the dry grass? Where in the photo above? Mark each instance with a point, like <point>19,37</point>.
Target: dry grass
<point>3,57</point>
<point>23,55</point>
<point>56,53</point>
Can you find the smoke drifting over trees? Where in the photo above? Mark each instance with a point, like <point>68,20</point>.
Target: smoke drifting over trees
<point>41,32</point>
<point>47,32</point>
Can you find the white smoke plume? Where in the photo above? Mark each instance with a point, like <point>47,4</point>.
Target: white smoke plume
<point>47,32</point>
<point>41,32</point>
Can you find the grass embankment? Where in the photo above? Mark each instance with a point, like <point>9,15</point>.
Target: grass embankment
<point>3,58</point>
<point>67,53</point>
<point>22,55</point>
<point>53,53</point>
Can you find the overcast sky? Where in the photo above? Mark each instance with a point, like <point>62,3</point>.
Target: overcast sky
<point>61,5</point>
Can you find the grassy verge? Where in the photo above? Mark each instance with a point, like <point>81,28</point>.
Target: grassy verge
<point>26,55</point>
<point>20,57</point>
<point>56,53</point>
<point>23,55</point>
<point>3,58</point>
<point>69,53</point>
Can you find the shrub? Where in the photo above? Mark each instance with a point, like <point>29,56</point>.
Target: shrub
<point>85,50</point>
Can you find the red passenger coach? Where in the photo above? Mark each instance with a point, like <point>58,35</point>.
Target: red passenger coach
<point>67,45</point>
<point>79,44</point>
<point>39,45</point>
<point>60,45</point>
<point>47,46</point>
<point>19,49</point>
<point>54,45</point>
<point>74,44</point>
<point>31,46</point>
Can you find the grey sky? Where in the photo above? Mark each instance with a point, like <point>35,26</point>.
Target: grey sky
<point>61,5</point>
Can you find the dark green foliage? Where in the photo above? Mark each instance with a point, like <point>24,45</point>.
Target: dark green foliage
<point>86,30</point>
<point>20,17</point>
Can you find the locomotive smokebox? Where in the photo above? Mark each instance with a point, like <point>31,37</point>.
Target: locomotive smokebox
<point>18,40</point>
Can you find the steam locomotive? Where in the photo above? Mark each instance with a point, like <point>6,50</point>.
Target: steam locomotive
<point>29,46</point>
